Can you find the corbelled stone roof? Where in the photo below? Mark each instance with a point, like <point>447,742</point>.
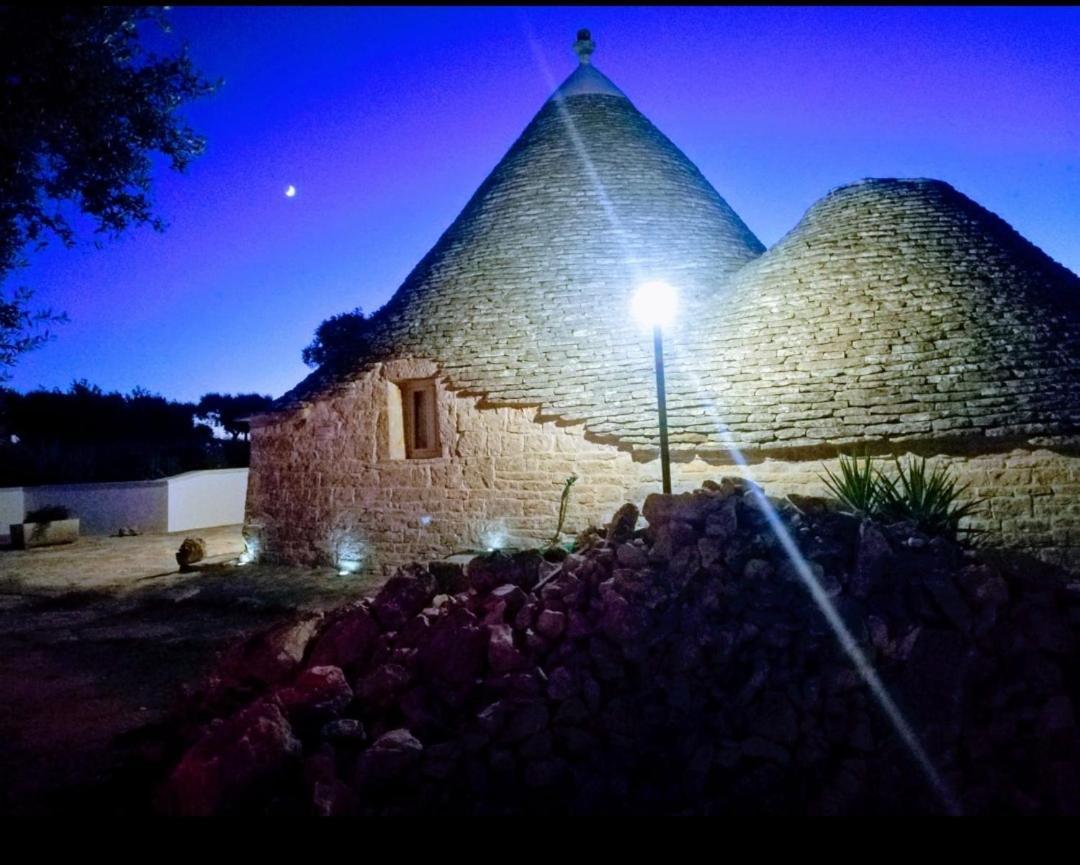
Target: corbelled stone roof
<point>896,309</point>
<point>526,297</point>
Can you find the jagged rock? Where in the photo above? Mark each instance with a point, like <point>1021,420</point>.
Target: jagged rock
<point>441,760</point>
<point>348,641</point>
<point>334,799</point>
<point>522,569</point>
<point>528,720</point>
<point>562,684</point>
<point>1047,629</point>
<point>383,685</point>
<point>551,623</point>
<point>449,577</point>
<point>775,719</point>
<point>224,767</point>
<point>510,595</point>
<point>502,654</point>
<point>192,550</point>
<point>589,538</point>
<point>622,525</point>
<point>275,654</point>
<point>657,509</point>
<point>723,523</point>
<point>682,668</point>
<point>982,586</point>
<point>545,773</point>
<point>631,556</point>
<point>347,730</point>
<point>389,757</point>
<point>315,696</point>
<point>872,559</point>
<point>671,536</point>
<point>455,652</point>
<point>404,596</point>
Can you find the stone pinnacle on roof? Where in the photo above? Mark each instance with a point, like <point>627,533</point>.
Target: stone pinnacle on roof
<point>586,80</point>
<point>525,297</point>
<point>584,47</point>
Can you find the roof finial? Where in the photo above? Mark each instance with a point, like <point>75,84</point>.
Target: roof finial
<point>584,46</point>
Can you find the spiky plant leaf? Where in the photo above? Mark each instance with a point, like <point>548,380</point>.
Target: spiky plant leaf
<point>856,486</point>
<point>929,499</point>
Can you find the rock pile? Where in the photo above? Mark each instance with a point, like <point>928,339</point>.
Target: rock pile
<point>679,668</point>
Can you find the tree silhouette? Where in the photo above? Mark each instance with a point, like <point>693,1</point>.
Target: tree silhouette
<point>339,340</point>
<point>87,434</point>
<point>83,106</point>
<point>228,411</point>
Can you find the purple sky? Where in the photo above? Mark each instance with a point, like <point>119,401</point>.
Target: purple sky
<point>386,121</point>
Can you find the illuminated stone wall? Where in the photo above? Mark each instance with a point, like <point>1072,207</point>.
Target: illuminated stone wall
<point>325,488</point>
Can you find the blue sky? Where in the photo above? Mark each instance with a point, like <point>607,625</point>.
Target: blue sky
<point>386,121</point>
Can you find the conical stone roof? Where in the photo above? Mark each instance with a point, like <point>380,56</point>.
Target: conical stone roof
<point>526,297</point>
<point>896,309</point>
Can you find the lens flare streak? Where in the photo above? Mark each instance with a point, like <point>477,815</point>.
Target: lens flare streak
<point>847,642</point>
<point>802,568</point>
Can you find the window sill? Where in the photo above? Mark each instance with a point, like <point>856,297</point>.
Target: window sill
<point>404,461</point>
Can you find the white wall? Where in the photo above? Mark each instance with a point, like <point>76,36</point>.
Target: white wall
<point>12,508</point>
<point>104,508</point>
<point>193,500</point>
<point>198,500</point>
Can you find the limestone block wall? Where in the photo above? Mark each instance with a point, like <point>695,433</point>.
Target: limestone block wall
<point>327,484</point>
<point>1031,495</point>
<point>325,477</point>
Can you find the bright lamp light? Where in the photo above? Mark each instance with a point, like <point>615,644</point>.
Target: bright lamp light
<point>654,304</point>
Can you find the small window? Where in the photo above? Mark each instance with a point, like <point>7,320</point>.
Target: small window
<point>421,427</point>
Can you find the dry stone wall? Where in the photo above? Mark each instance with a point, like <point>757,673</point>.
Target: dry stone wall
<point>896,310</point>
<point>526,296</point>
<point>325,488</point>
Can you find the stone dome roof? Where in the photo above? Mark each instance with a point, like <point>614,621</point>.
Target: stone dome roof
<point>895,309</point>
<point>525,298</point>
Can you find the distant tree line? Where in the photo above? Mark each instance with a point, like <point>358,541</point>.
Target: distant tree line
<point>85,434</point>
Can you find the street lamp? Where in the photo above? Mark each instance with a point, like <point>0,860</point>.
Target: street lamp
<point>654,305</point>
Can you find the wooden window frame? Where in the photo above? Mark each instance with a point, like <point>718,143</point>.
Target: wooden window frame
<point>421,442</point>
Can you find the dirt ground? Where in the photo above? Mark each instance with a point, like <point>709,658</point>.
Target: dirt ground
<point>98,637</point>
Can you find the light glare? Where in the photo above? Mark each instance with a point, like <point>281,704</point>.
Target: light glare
<point>654,304</point>
<point>493,538</point>
<point>250,553</point>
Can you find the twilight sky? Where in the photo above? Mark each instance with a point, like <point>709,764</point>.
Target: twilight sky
<point>386,121</point>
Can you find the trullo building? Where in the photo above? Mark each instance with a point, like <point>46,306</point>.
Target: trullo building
<point>898,316</point>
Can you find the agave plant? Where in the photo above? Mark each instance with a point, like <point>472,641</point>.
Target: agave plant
<point>857,485</point>
<point>930,499</point>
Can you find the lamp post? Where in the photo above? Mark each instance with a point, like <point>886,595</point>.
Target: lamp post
<point>654,305</point>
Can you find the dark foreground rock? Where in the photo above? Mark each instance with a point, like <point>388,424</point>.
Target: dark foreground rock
<point>681,668</point>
